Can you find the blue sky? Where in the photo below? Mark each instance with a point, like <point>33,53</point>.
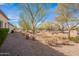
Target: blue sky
<point>12,11</point>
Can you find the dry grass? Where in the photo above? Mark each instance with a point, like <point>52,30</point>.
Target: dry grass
<point>53,39</point>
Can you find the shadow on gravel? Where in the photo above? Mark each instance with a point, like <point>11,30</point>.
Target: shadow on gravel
<point>23,47</point>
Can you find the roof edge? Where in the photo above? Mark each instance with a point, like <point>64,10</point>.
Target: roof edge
<point>4,14</point>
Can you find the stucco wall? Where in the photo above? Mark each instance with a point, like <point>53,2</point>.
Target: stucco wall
<point>11,27</point>
<point>4,20</point>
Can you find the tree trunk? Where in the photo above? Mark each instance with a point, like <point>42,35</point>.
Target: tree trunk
<point>69,36</point>
<point>33,31</point>
<point>62,29</point>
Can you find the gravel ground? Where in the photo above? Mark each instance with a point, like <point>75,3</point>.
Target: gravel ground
<point>70,50</point>
<point>17,45</point>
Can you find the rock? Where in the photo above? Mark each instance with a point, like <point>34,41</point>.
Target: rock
<point>27,36</point>
<point>32,37</point>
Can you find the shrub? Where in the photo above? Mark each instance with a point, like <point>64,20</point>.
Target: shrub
<point>75,39</point>
<point>3,35</point>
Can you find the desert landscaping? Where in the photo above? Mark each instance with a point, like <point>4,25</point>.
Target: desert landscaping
<point>39,30</point>
<point>45,44</point>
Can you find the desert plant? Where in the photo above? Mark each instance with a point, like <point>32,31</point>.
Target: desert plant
<point>34,14</point>
<point>66,18</point>
<point>24,24</point>
<point>46,26</point>
<point>75,39</point>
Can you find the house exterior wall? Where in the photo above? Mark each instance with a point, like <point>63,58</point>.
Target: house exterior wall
<point>10,27</point>
<point>4,21</point>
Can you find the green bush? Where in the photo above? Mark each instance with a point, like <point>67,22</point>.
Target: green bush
<point>75,39</point>
<point>3,35</point>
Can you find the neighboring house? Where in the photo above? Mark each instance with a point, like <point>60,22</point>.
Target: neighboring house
<point>10,26</point>
<point>4,21</point>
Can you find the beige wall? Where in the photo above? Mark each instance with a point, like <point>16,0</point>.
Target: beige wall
<point>11,27</point>
<point>5,23</point>
<point>4,20</point>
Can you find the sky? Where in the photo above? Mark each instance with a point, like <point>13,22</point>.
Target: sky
<point>12,11</point>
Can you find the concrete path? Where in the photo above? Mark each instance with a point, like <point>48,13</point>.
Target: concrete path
<point>17,45</point>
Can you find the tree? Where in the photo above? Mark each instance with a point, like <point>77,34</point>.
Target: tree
<point>67,16</point>
<point>34,14</point>
<point>46,26</point>
<point>60,23</point>
<point>24,24</point>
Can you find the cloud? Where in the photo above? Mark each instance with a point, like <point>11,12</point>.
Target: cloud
<point>2,3</point>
